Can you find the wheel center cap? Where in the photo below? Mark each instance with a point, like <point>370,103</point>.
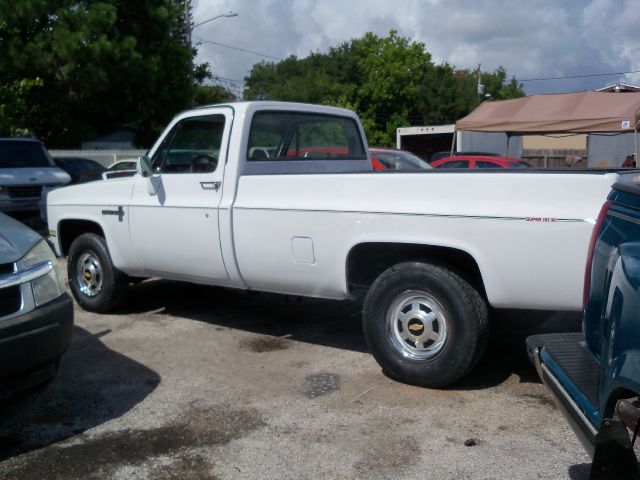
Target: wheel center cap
<point>87,275</point>
<point>416,327</point>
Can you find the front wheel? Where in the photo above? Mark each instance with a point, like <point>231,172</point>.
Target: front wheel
<point>95,283</point>
<point>424,324</point>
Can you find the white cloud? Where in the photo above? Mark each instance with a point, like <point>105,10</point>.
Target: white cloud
<point>540,38</point>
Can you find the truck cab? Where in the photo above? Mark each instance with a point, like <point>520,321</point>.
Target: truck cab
<point>594,375</point>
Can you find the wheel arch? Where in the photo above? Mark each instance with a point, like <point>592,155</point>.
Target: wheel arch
<point>621,389</point>
<point>366,261</point>
<point>70,229</point>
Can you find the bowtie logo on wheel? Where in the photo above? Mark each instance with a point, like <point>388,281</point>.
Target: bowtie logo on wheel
<point>416,327</point>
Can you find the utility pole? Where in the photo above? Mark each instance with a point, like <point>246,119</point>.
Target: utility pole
<point>187,33</point>
<point>480,88</point>
<point>188,30</point>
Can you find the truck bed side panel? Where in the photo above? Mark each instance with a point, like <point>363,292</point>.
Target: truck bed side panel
<point>293,232</point>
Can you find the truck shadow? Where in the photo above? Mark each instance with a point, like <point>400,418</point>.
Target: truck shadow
<point>94,385</point>
<point>331,323</point>
<point>506,352</point>
<point>580,472</point>
<point>338,324</point>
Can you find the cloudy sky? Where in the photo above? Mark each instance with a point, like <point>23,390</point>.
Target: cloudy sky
<point>532,40</point>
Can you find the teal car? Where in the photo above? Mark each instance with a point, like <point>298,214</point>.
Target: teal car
<point>594,375</point>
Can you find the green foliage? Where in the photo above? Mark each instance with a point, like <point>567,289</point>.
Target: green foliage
<point>211,94</point>
<point>71,70</point>
<point>390,81</point>
<point>14,108</point>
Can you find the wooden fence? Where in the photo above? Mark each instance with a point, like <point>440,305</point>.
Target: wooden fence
<point>562,158</point>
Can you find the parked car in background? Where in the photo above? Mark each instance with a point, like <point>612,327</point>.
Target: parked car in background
<point>594,375</point>
<point>123,168</point>
<point>447,153</point>
<point>124,165</point>
<point>36,314</point>
<point>470,161</point>
<point>392,159</point>
<point>25,168</point>
<point>81,170</point>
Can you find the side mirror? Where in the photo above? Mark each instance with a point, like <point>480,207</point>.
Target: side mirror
<point>143,167</point>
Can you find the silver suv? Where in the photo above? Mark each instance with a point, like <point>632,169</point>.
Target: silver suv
<point>36,314</point>
<point>25,169</point>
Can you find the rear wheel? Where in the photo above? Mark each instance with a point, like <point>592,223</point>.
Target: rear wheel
<point>425,324</point>
<point>95,283</point>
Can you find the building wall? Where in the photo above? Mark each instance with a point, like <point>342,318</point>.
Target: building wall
<point>565,142</point>
<point>610,150</point>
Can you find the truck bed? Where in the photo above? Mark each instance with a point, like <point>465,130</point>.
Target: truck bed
<point>539,220</point>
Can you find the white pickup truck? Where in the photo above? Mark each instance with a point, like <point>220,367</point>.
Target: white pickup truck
<point>281,197</point>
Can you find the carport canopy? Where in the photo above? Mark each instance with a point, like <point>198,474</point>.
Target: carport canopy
<point>580,112</point>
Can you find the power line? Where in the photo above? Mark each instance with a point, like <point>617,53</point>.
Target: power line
<point>216,77</point>
<point>200,41</point>
<point>569,77</point>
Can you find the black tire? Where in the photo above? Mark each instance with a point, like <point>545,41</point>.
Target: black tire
<point>113,283</point>
<point>461,328</point>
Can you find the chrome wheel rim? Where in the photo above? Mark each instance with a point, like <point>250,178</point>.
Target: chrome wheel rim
<point>417,325</point>
<point>88,276</point>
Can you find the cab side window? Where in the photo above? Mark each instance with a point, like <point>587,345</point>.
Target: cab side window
<point>193,146</point>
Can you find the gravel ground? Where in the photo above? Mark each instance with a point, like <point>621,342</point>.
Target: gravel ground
<point>198,382</point>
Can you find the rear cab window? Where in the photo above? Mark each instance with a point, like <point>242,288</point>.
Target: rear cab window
<point>288,142</point>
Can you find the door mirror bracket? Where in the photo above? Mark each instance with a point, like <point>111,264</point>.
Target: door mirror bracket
<point>143,167</point>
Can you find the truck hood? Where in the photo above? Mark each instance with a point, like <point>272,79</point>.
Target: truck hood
<point>34,175</point>
<point>16,239</point>
<point>116,191</point>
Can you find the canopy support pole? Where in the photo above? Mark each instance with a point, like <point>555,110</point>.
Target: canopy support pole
<point>635,136</point>
<point>635,142</point>
<point>506,153</point>
<point>453,142</point>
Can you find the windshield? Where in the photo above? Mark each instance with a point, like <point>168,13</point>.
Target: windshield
<point>22,154</point>
<point>401,161</point>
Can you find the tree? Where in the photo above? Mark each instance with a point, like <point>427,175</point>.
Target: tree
<point>390,81</point>
<point>71,70</point>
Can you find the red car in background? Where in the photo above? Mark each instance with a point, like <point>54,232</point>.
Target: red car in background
<point>393,159</point>
<point>476,161</point>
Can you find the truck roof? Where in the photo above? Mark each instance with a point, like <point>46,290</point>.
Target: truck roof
<point>269,104</point>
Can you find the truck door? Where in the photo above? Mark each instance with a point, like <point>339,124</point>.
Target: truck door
<point>174,212</point>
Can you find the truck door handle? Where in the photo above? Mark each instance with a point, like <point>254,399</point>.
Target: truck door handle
<point>210,185</point>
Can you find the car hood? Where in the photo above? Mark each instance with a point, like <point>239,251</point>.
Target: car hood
<point>106,192</point>
<point>34,175</point>
<point>16,239</point>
